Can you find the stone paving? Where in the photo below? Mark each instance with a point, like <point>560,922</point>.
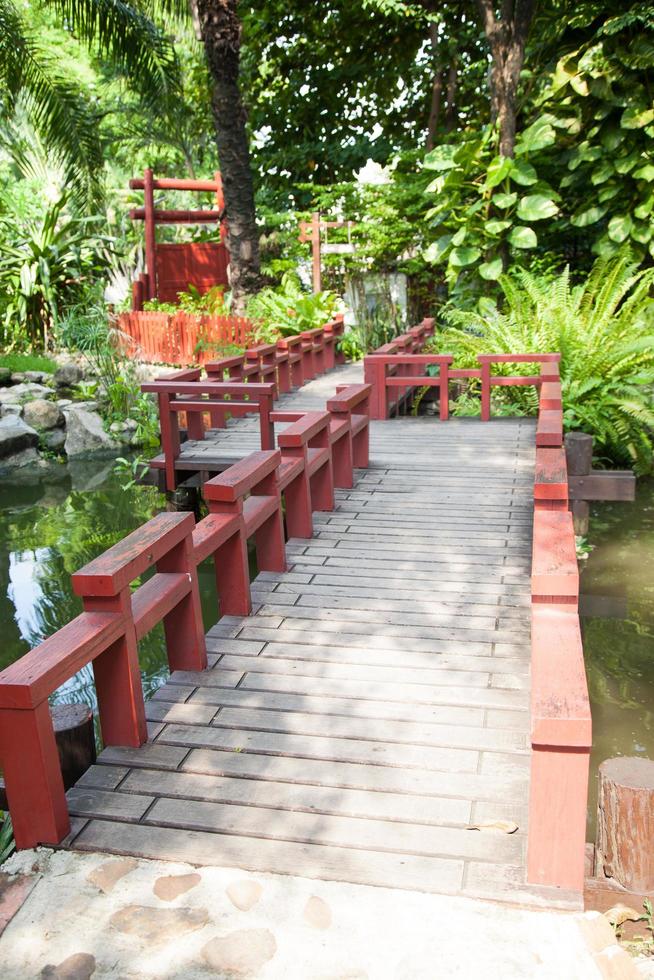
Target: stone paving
<point>91,916</point>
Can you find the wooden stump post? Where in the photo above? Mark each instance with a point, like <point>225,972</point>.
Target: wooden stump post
<point>75,737</point>
<point>625,824</point>
<point>579,459</point>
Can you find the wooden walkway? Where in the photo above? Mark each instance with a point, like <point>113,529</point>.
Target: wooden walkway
<point>376,702</point>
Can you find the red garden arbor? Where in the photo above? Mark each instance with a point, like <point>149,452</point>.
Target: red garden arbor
<point>171,267</point>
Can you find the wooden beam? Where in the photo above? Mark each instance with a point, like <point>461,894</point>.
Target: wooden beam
<point>603,485</point>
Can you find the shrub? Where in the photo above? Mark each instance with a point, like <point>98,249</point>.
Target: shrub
<point>603,329</point>
<point>287,310</point>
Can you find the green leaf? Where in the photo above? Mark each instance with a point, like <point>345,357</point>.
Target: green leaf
<point>464,256</point>
<point>536,137</point>
<point>536,207</point>
<point>494,227</point>
<point>436,186</point>
<point>624,164</point>
<point>608,193</point>
<point>620,227</point>
<point>522,237</point>
<point>645,207</point>
<point>460,237</point>
<point>641,232</point>
<point>579,84</point>
<point>644,173</point>
<point>636,117</point>
<point>491,270</point>
<point>505,200</point>
<point>602,172</point>
<point>523,173</point>
<point>611,137</point>
<point>589,217</point>
<point>441,157</point>
<point>498,170</point>
<point>434,252</point>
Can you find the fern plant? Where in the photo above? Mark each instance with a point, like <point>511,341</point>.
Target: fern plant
<point>604,331</point>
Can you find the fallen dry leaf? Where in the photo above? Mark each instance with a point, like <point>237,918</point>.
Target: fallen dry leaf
<point>500,826</point>
<point>622,913</point>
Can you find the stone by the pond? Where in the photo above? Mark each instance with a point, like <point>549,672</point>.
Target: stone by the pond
<point>39,376</point>
<point>317,913</point>
<point>16,461</point>
<point>170,887</point>
<point>11,408</point>
<point>241,953</point>
<point>54,440</point>
<point>64,402</point>
<point>85,435</point>
<point>79,966</point>
<point>67,375</point>
<point>15,436</point>
<point>17,377</point>
<point>244,894</point>
<point>41,414</point>
<point>158,925</point>
<point>23,392</point>
<point>107,874</point>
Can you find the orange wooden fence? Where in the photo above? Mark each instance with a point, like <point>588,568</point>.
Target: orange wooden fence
<point>182,338</point>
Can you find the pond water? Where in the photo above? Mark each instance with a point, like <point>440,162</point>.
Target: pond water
<point>53,522</point>
<point>617,587</point>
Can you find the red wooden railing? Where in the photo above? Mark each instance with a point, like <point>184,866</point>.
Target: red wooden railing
<point>561,728</point>
<point>244,502</point>
<point>191,338</point>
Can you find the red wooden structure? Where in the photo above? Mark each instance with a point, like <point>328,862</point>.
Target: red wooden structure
<point>182,338</point>
<point>171,268</point>
<point>244,501</point>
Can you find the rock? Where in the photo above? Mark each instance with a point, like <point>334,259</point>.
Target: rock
<point>38,376</point>
<point>85,435</point>
<point>130,425</point>
<point>154,925</point>
<point>54,440</point>
<point>108,873</point>
<point>67,375</point>
<point>23,392</point>
<point>5,376</point>
<point>241,953</point>
<point>41,414</point>
<point>79,966</point>
<point>317,913</point>
<point>116,427</point>
<point>169,887</point>
<point>244,894</point>
<point>10,408</point>
<point>64,402</point>
<point>15,436</point>
<point>25,457</point>
<point>91,406</point>
<point>17,377</point>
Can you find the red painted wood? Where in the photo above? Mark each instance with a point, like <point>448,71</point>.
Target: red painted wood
<point>242,477</point>
<point>183,624</point>
<point>177,184</point>
<point>551,479</point>
<point>155,598</point>
<point>549,429</point>
<point>550,396</point>
<point>554,572</point>
<point>179,217</point>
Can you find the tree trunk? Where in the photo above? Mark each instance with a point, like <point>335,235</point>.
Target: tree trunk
<point>221,35</point>
<point>506,38</point>
<point>436,89</point>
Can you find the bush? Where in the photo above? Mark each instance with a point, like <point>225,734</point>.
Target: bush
<point>603,329</point>
<point>287,310</point>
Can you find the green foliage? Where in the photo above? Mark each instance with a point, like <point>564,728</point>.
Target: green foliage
<point>604,330</point>
<point>27,362</point>
<point>46,265</point>
<point>288,310</point>
<point>214,302</point>
<point>7,844</point>
<point>131,471</point>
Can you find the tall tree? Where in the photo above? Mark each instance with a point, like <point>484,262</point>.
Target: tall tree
<point>220,28</point>
<point>507,35</point>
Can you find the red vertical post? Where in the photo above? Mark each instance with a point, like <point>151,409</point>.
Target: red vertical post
<point>374,371</point>
<point>283,370</point>
<point>269,537</point>
<point>299,519</point>
<point>315,251</point>
<point>195,425</point>
<point>150,246</point>
<point>231,566</point>
<point>343,460</point>
<point>485,390</point>
<point>183,625</point>
<point>266,427</point>
<point>220,204</point>
<point>444,391</point>
<point>170,442</point>
<point>35,788</point>
<point>322,481</point>
<point>118,677</point>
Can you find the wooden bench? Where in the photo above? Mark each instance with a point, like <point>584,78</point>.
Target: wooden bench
<point>106,635</point>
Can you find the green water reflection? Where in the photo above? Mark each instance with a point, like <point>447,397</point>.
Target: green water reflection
<point>617,586</point>
<point>51,523</point>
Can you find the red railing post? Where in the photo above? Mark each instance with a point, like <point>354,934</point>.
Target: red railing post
<point>183,625</point>
<point>485,391</point>
<point>308,369</point>
<point>266,425</point>
<point>444,391</point>
<point>34,784</point>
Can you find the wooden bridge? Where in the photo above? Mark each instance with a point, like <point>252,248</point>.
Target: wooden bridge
<point>372,706</point>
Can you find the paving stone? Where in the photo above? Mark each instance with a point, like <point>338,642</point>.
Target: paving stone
<point>157,925</point>
<point>240,954</point>
<point>317,913</point>
<point>244,894</point>
<point>170,887</point>
<point>108,874</point>
<point>79,966</point>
